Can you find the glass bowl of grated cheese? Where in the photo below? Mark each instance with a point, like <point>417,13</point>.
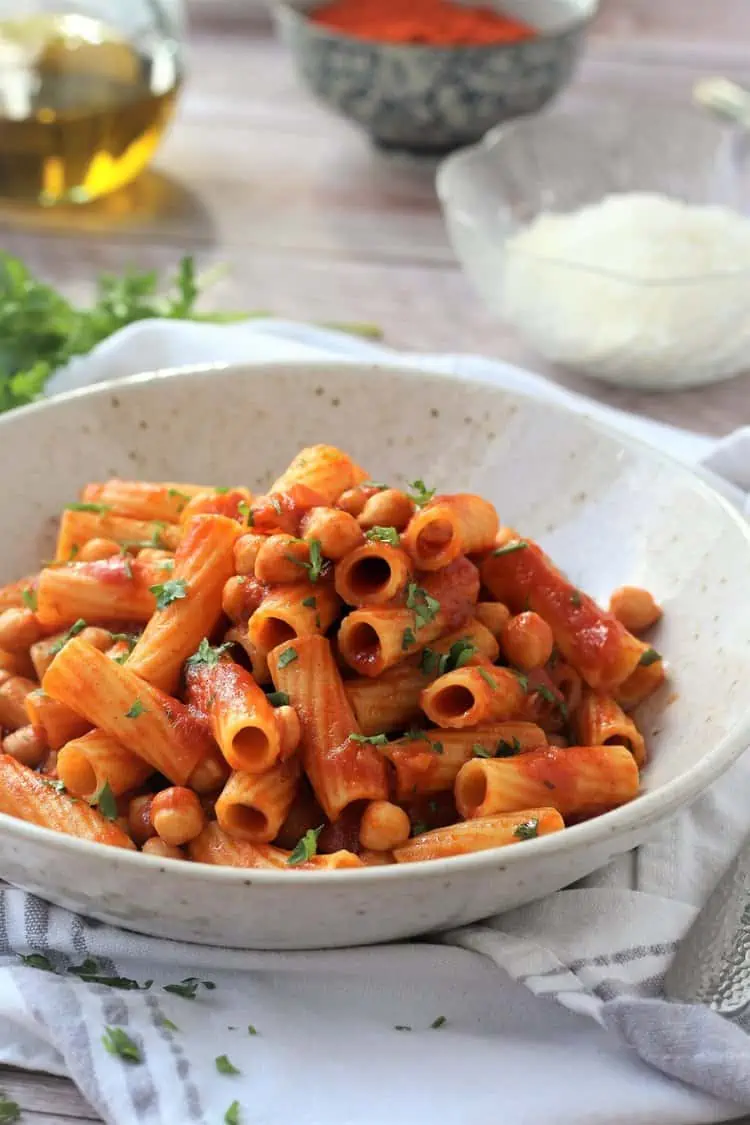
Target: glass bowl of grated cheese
<point>615,238</point>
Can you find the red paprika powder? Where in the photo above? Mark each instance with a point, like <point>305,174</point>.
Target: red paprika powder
<point>432,23</point>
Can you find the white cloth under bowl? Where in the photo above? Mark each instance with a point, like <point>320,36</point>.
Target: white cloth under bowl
<point>551,1012</point>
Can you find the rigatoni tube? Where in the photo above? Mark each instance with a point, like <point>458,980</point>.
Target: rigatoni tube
<point>449,526</point>
<point>324,469</point>
<point>600,721</point>
<point>577,781</point>
<point>480,835</point>
<point>214,846</point>
<point>473,695</point>
<point>156,727</point>
<point>341,769</point>
<point>254,806</point>
<point>429,761</point>
<point>373,639</point>
<point>189,605</point>
<point>87,763</point>
<point>28,796</point>
<point>242,720</point>
<point>292,611</point>
<point>590,639</point>
<point>375,574</point>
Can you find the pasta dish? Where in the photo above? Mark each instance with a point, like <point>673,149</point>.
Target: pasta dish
<point>336,674</point>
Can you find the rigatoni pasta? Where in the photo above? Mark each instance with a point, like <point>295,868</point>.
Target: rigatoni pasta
<point>334,674</point>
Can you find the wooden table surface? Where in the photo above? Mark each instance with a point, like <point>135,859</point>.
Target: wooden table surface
<point>313,224</point>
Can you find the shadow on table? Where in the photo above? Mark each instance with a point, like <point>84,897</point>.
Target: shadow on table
<point>152,202</point>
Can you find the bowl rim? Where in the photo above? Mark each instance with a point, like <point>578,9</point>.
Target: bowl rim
<point>643,811</point>
<point>461,159</point>
<point>578,22</point>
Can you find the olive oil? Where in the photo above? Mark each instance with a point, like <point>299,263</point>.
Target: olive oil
<point>81,109</point>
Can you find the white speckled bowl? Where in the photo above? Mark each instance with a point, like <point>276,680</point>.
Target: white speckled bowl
<point>609,509</point>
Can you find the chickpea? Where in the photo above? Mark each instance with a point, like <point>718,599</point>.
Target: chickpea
<point>177,815</point>
<point>156,846</point>
<point>527,641</point>
<point>494,616</point>
<point>96,549</point>
<point>635,608</point>
<point>389,508</point>
<point>139,819</point>
<point>384,826</point>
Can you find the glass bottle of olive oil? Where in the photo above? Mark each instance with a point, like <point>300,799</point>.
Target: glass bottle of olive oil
<point>83,104</point>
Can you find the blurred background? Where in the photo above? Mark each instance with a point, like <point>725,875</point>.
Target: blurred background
<point>308,218</point>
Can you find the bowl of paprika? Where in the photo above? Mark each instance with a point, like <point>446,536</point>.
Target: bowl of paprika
<point>429,76</point>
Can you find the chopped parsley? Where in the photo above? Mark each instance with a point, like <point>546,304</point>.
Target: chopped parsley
<point>37,961</point>
<point>10,1112</point>
<point>419,493</point>
<point>28,597</point>
<point>287,657</point>
<point>373,739</point>
<point>73,631</point>
<point>168,1025</point>
<point>487,678</point>
<point>550,697</point>
<point>439,1022</point>
<point>243,509</point>
<point>221,491</point>
<point>188,988</point>
<point>416,734</point>
<point>457,656</point>
<point>384,535</point>
<point>90,972</point>
<point>374,484</point>
<point>424,606</point>
<point>527,830</point>
<point>251,1030</point>
<point>136,708</point>
<point>175,494</point>
<point>224,1066</point>
<point>650,656</point>
<point>278,698</point>
<point>408,639</point>
<point>232,1116</point>
<point>104,800</point>
<point>480,751</point>
<point>130,639</point>
<point>575,598</point>
<point>315,565</point>
<point>508,749</point>
<point>311,602</point>
<point>436,663</point>
<point>523,681</point>
<point>437,747</point>
<point>306,847</point>
<point>402,1027</point>
<point>58,786</point>
<point>99,509</point>
<point>168,592</point>
<point>205,654</point>
<point>119,1043</point>
<point>510,548</point>
<point>416,830</point>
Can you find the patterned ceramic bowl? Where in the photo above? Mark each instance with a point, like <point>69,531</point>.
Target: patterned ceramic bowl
<point>433,99</point>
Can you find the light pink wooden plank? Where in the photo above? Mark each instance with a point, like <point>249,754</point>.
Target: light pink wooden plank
<point>44,1099</point>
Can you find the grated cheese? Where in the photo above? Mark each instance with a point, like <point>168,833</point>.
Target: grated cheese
<point>663,300</point>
